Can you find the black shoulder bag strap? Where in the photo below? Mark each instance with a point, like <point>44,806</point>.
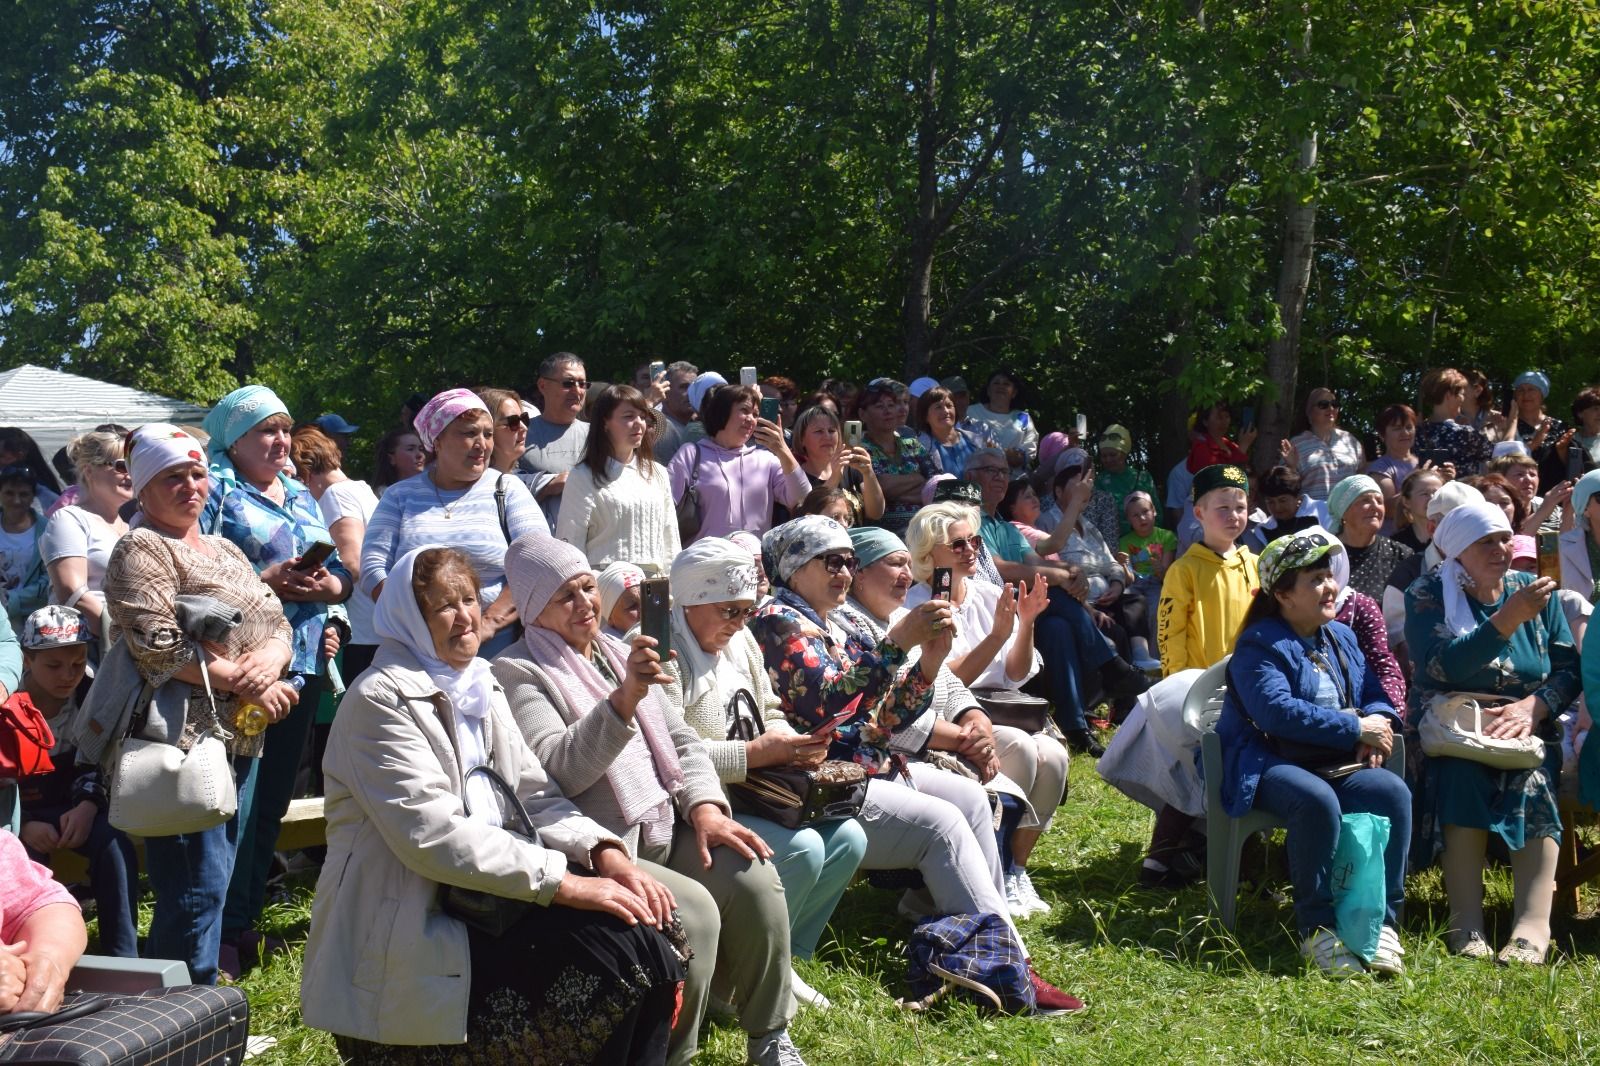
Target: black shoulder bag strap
<point>500,507</point>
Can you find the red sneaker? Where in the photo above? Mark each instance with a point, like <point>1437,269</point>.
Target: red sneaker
<point>1101,724</point>
<point>1051,1000</point>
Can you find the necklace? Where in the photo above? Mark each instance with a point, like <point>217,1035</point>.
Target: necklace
<point>444,506</point>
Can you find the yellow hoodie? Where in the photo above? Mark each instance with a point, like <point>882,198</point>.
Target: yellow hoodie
<point>1203,600</point>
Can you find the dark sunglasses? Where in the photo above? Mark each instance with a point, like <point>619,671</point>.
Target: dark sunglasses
<point>570,383</point>
<point>120,466</point>
<point>728,614</point>
<point>1326,405</point>
<point>513,421</point>
<point>965,543</point>
<point>834,562</point>
<point>1307,542</point>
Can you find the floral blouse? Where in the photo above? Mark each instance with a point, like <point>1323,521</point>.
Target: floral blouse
<point>1365,618</point>
<point>913,458</point>
<point>1540,657</point>
<point>817,670</point>
<point>1451,442</point>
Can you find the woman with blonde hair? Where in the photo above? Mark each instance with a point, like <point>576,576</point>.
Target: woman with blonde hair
<point>78,539</point>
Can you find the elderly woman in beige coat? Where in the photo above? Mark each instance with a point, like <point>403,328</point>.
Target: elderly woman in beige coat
<point>606,720</point>
<point>585,975</point>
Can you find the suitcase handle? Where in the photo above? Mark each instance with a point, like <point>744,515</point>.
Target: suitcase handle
<point>30,1019</point>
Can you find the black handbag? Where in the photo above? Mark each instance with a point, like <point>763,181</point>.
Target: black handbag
<point>191,1025</point>
<point>790,795</point>
<point>485,911</point>
<point>689,517</point>
<point>1009,707</point>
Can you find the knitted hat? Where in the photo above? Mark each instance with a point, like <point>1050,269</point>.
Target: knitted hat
<point>538,564</point>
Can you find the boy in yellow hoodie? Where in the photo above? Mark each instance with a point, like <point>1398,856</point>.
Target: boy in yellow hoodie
<point>1207,591</point>
<point>1203,602</point>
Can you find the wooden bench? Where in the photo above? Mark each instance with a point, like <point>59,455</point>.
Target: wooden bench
<point>304,826</point>
<point>1570,870</point>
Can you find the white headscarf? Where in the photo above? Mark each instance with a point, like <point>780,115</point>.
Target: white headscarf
<point>1339,564</point>
<point>711,570</point>
<point>1451,494</point>
<point>397,619</point>
<point>1460,530</point>
<point>613,581</point>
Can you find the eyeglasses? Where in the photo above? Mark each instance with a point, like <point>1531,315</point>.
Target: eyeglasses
<point>969,544</point>
<point>728,614</point>
<point>1326,405</point>
<point>513,421</point>
<point>120,466</point>
<point>989,471</point>
<point>570,383</point>
<point>833,563</point>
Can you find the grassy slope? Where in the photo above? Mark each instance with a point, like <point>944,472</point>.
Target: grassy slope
<point>1164,984</point>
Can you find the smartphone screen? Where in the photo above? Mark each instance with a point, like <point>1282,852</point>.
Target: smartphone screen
<point>655,613</point>
<point>1083,427</point>
<point>852,433</point>
<point>1247,418</point>
<point>747,375</point>
<point>314,556</point>
<point>658,369</point>
<point>943,583</point>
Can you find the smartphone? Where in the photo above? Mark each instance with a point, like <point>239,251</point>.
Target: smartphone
<point>658,370</point>
<point>835,721</point>
<point>943,583</point>
<point>655,613</point>
<point>313,556</point>
<point>770,408</point>
<point>747,375</point>
<point>852,433</point>
<point>1247,418</point>
<point>1083,428</point>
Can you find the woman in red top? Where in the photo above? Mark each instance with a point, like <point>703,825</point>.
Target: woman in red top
<point>1209,443</point>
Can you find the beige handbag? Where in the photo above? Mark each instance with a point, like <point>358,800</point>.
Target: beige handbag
<point>1452,724</point>
<point>159,789</point>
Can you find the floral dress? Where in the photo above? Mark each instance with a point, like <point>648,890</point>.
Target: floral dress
<point>1541,659</point>
<point>817,670</point>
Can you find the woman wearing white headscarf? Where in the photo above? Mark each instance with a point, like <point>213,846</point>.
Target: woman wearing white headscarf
<point>606,720</point>
<point>393,977</point>
<point>619,599</point>
<point>713,593</point>
<point>1478,626</point>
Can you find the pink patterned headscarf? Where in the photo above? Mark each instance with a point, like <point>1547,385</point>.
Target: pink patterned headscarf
<point>444,409</point>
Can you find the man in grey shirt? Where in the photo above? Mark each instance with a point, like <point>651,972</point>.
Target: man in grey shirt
<point>556,437</point>
<point>678,424</point>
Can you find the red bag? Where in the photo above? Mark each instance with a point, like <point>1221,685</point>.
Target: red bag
<point>25,739</point>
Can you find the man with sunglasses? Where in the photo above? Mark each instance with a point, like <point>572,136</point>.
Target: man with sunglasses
<point>556,436</point>
<point>1324,454</point>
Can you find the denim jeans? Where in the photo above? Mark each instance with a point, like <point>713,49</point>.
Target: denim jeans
<point>263,799</point>
<point>815,864</point>
<point>1312,808</point>
<point>189,876</point>
<point>113,875</point>
<point>1071,646</point>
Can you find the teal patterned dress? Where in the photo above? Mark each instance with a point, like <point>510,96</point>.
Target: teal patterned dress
<point>1540,658</point>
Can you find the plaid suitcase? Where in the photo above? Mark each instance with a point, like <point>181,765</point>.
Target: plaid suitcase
<point>192,1025</point>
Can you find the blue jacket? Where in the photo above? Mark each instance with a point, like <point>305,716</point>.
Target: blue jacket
<point>1273,681</point>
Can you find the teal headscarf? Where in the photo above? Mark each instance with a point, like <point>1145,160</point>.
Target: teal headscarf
<point>873,543</point>
<point>234,416</point>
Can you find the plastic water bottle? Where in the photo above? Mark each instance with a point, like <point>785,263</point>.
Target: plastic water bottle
<point>253,718</point>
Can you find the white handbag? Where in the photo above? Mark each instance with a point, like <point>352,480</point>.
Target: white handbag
<point>1453,725</point>
<point>158,789</point>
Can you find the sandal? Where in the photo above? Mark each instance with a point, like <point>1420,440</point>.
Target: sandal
<point>1468,945</point>
<point>1521,950</point>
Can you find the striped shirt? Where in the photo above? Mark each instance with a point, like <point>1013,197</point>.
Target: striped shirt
<point>1325,463</point>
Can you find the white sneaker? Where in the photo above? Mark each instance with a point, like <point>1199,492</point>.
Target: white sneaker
<point>1386,959</point>
<point>1029,894</point>
<point>1019,907</point>
<point>772,1049</point>
<point>1324,948</point>
<point>805,995</point>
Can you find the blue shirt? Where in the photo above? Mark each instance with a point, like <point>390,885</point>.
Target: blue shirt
<point>268,533</point>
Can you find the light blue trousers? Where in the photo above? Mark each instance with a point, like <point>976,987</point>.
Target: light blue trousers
<point>815,864</point>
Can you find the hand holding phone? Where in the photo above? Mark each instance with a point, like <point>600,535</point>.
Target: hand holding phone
<point>313,557</point>
<point>943,582</point>
<point>852,433</point>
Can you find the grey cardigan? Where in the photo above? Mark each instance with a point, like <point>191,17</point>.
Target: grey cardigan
<point>577,749</point>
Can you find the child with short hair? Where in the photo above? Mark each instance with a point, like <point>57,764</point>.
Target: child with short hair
<point>1150,551</point>
<point>1285,509</point>
<point>66,807</point>
<point>1207,591</point>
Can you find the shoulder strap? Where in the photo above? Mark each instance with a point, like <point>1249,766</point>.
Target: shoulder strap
<point>737,729</point>
<point>694,467</point>
<point>500,506</point>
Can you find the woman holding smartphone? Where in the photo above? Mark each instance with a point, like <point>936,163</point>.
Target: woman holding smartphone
<point>832,460</point>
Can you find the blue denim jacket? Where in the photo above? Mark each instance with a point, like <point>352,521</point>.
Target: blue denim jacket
<point>1272,682</point>
<point>267,534</point>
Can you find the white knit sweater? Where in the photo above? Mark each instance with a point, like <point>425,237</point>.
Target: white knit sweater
<point>628,519</point>
<point>709,716</point>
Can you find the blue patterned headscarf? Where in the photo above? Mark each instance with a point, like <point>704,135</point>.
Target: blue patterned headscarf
<point>800,540</point>
<point>234,416</point>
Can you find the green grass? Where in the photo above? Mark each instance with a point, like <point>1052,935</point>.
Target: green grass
<point>1164,983</point>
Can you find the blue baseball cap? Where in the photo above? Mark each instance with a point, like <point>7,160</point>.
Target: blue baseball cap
<point>335,424</point>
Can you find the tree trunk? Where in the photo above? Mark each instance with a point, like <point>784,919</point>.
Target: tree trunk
<point>917,311</point>
<point>1294,279</point>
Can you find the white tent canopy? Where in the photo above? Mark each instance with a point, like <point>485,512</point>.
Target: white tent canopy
<point>54,406</point>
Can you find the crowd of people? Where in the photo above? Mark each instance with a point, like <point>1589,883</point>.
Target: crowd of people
<point>526,750</point>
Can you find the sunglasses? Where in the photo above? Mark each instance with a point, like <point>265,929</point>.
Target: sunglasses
<point>1326,405</point>
<point>1307,542</point>
<point>570,383</point>
<point>966,544</point>
<point>728,614</point>
<point>120,466</point>
<point>513,421</point>
<point>833,563</point>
